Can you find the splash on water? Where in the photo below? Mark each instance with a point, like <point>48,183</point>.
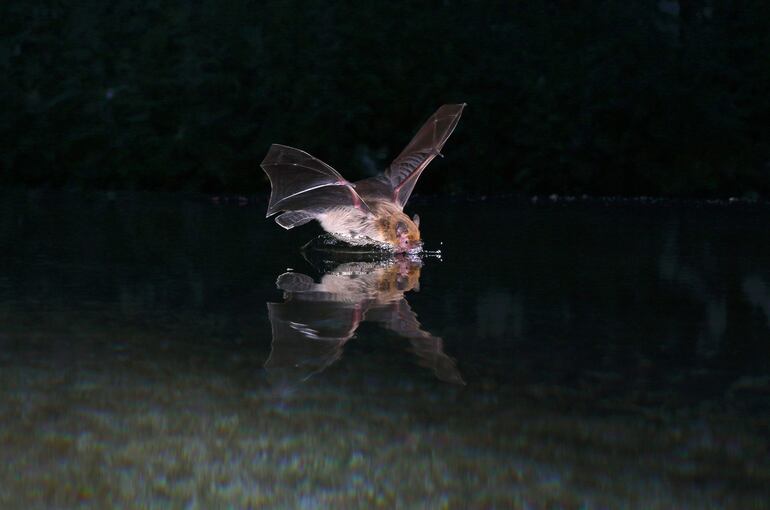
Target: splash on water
<point>348,244</point>
<point>362,245</point>
<point>327,249</point>
<point>433,254</point>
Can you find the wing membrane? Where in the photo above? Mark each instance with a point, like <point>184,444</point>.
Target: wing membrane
<point>426,145</point>
<point>301,182</point>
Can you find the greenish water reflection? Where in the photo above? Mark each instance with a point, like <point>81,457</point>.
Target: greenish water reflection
<point>613,355</point>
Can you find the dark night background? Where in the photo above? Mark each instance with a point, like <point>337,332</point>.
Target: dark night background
<point>163,347</point>
<point>640,97</point>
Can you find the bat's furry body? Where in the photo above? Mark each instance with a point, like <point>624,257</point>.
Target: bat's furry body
<point>368,211</point>
<point>358,227</point>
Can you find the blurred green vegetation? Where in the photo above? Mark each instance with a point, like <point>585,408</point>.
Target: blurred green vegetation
<point>601,97</point>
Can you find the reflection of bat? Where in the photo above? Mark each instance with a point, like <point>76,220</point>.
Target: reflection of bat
<point>312,325</point>
<point>369,210</point>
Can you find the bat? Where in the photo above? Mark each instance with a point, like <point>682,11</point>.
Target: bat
<point>369,211</point>
<point>316,320</point>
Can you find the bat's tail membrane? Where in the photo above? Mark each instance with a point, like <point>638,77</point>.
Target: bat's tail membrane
<point>291,219</point>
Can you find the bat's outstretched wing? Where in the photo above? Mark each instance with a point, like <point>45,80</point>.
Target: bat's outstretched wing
<point>426,145</point>
<point>304,186</point>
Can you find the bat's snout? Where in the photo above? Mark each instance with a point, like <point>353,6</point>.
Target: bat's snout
<point>405,245</point>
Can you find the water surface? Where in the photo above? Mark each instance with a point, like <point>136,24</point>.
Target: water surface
<point>168,350</point>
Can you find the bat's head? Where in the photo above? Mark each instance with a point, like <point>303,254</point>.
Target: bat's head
<point>405,233</point>
<point>397,229</point>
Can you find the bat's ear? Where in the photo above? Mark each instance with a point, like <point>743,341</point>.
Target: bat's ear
<point>416,220</point>
<point>401,228</point>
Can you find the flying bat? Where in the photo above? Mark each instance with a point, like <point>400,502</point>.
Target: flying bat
<point>369,211</point>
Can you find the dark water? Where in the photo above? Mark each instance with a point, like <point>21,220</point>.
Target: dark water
<point>569,354</point>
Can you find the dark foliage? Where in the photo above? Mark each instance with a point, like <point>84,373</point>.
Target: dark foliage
<point>636,97</point>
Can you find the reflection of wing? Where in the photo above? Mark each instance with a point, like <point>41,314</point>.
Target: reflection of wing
<point>430,350</point>
<point>399,318</point>
<point>308,336</point>
<point>426,145</point>
<point>304,186</point>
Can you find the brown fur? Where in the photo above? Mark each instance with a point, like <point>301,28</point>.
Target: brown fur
<point>388,216</point>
